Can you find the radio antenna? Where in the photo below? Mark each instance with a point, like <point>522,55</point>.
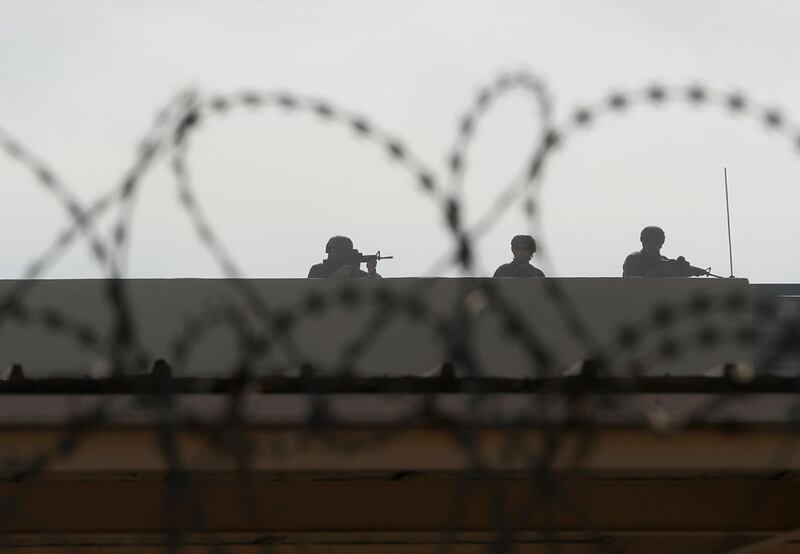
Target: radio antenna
<point>728,211</point>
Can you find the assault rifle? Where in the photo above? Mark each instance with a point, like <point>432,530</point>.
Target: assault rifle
<point>679,267</point>
<point>356,258</point>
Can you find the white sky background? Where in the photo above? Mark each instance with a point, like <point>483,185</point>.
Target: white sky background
<point>81,81</point>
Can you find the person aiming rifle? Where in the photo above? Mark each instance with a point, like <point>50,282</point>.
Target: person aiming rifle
<point>345,261</point>
<point>649,262</point>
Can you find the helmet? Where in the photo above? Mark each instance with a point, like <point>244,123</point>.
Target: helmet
<point>523,241</point>
<point>652,234</point>
<point>338,243</point>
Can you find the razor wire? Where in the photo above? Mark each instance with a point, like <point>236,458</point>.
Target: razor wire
<point>636,344</point>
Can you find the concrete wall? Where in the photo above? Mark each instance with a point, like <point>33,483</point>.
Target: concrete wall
<point>401,345</point>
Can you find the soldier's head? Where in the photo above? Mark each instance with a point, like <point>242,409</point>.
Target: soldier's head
<point>523,247</point>
<point>652,239</point>
<point>338,246</point>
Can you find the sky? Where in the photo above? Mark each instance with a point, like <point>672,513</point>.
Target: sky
<point>82,81</point>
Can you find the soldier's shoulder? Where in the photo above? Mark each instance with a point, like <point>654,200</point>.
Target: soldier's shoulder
<point>317,270</point>
<point>633,258</point>
<point>503,271</point>
<point>632,267</point>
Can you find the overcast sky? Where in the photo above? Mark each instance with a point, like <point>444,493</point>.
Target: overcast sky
<point>81,81</point>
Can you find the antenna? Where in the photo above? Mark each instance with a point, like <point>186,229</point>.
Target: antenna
<point>728,211</point>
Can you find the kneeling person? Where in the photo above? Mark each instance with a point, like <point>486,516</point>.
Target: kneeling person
<point>523,247</point>
<point>649,262</point>
<point>342,261</point>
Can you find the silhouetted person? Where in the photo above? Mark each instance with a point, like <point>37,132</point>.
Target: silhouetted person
<point>523,247</point>
<point>342,261</point>
<point>649,262</point>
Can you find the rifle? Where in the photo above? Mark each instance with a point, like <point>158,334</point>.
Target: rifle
<point>367,258</point>
<point>355,258</point>
<point>679,267</point>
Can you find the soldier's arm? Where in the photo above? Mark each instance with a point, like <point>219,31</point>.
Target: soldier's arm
<point>627,267</point>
